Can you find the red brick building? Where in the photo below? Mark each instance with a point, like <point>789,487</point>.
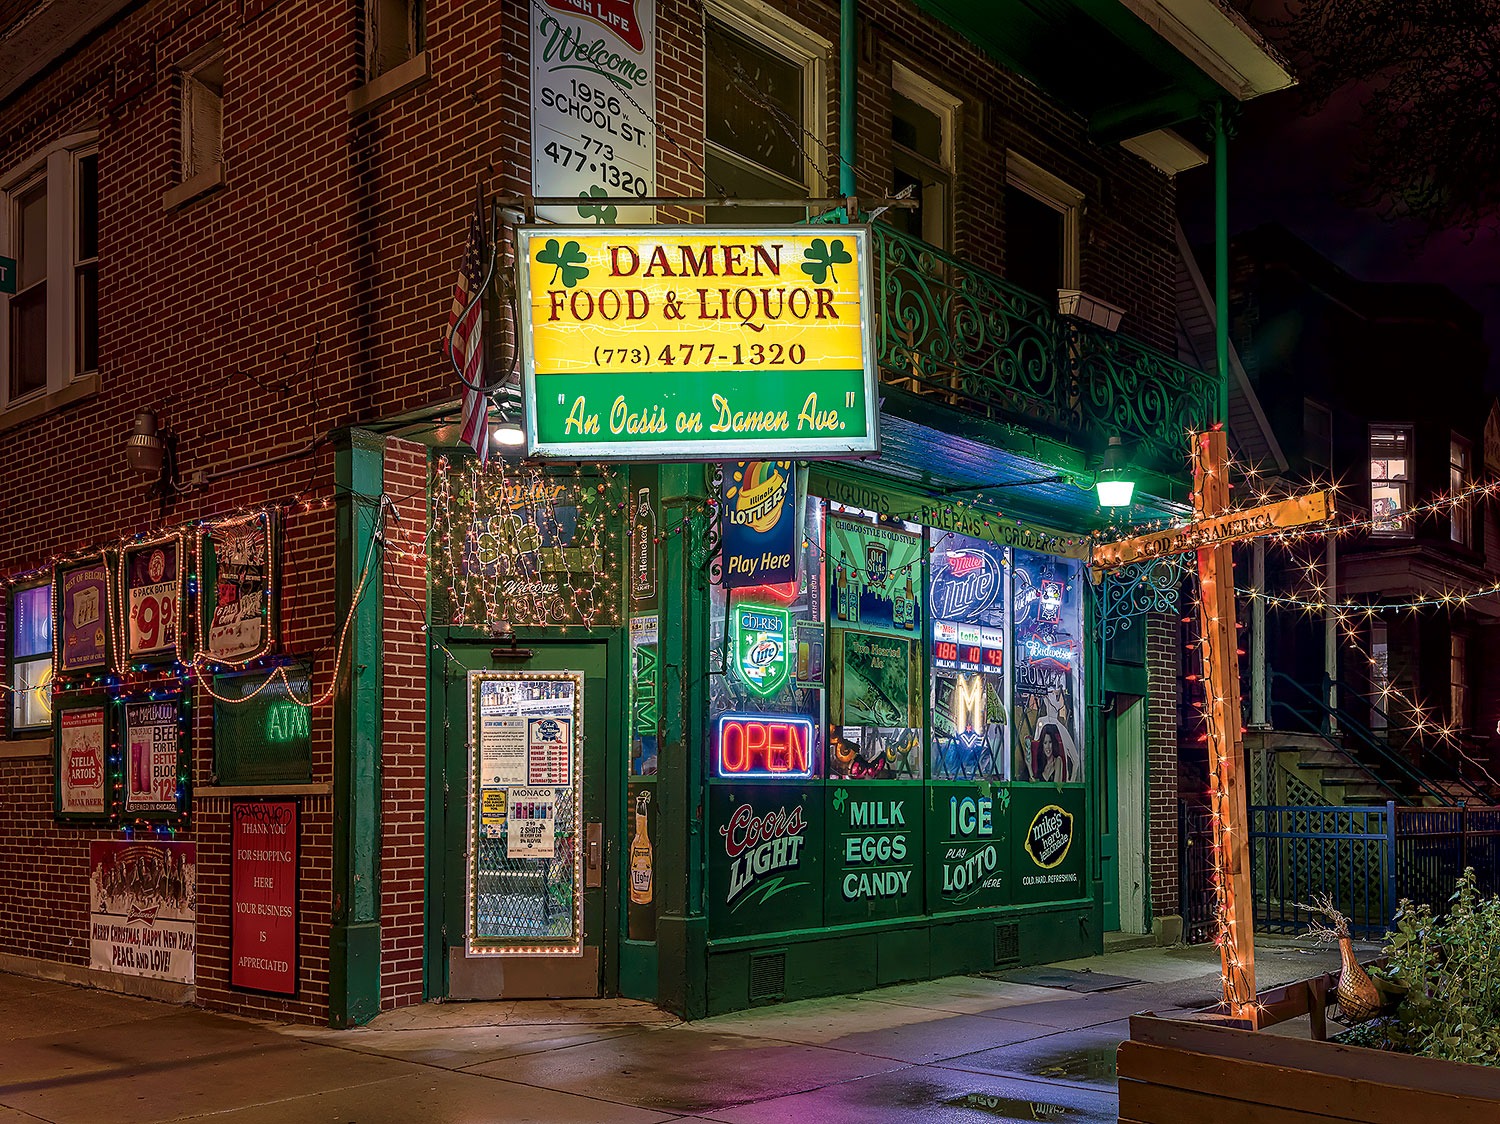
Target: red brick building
<point>246,216</point>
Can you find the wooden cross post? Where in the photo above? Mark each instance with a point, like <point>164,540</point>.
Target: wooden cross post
<point>1211,534</point>
<point>1221,688</point>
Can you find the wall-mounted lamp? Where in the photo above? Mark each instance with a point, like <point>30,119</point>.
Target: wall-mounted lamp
<point>152,452</point>
<point>1113,481</point>
<point>509,434</point>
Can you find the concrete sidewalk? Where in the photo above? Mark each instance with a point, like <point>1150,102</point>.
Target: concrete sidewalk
<point>961,1049</point>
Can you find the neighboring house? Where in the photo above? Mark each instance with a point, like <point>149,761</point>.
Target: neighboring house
<point>1378,387</point>
<point>275,650</point>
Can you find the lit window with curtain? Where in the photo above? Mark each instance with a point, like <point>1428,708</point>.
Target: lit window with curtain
<point>29,663</point>
<point>1390,479</point>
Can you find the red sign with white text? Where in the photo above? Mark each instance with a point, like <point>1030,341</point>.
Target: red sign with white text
<point>263,897</point>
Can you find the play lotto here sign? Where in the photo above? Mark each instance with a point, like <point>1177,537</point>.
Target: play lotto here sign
<point>697,343</point>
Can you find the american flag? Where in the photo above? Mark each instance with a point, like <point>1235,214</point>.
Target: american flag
<point>466,336</point>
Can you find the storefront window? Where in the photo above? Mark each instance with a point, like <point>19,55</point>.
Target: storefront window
<point>766,661</point>
<point>1047,706</point>
<point>875,621</point>
<point>31,658</point>
<point>968,644</point>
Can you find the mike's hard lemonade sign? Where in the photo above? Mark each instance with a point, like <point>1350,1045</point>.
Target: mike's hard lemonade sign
<point>698,343</point>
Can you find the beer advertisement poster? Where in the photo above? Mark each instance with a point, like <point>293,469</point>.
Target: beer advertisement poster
<point>83,787</point>
<point>152,598</point>
<point>236,565</point>
<point>765,865</point>
<point>82,626</point>
<point>263,896</point>
<point>153,755</point>
<point>640,855</point>
<point>875,571</point>
<point>1047,706</point>
<point>760,523</point>
<point>143,908</point>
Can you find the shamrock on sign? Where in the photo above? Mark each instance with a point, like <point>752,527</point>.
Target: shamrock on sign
<point>840,797</point>
<point>568,260</point>
<point>594,211</point>
<point>821,257</point>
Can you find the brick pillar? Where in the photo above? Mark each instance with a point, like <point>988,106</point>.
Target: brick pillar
<point>1162,650</point>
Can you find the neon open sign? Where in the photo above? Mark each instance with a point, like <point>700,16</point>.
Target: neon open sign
<point>764,745</point>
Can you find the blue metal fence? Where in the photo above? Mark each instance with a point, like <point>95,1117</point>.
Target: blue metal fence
<point>1367,859</point>
<point>1299,852</point>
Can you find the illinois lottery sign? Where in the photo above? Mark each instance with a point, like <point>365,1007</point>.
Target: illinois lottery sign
<point>698,343</point>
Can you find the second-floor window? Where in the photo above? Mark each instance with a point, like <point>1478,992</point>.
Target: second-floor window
<point>1460,515</point>
<point>29,668</point>
<point>49,222</point>
<point>922,157</point>
<point>1390,479</point>
<point>203,115</point>
<point>1317,435</point>
<point>762,114</point>
<point>393,34</point>
<point>1041,230</point>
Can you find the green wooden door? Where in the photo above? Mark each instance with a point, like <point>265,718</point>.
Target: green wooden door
<point>1109,818</point>
<point>512,905</point>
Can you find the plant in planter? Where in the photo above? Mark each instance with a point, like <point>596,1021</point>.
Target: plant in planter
<point>1448,969</point>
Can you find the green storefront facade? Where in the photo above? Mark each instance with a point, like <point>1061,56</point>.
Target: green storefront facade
<point>886,768</point>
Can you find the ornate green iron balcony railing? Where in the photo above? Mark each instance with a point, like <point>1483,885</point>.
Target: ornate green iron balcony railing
<point>957,333</point>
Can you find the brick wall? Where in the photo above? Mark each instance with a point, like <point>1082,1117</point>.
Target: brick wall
<point>404,753</point>
<point>311,291</point>
<point>1162,664</point>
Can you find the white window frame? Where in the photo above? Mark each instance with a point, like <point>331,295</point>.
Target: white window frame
<point>764,25</point>
<point>58,163</point>
<point>946,107</point>
<point>1460,475</point>
<point>1403,528</point>
<point>1062,197</point>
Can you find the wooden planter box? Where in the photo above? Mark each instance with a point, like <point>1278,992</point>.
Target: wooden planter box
<point>1174,1071</point>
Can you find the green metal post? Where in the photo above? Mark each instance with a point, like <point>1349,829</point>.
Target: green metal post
<point>354,939</point>
<point>1221,261</point>
<point>848,96</point>
<point>682,926</point>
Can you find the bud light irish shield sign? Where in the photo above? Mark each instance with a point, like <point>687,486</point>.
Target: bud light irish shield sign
<point>762,634</point>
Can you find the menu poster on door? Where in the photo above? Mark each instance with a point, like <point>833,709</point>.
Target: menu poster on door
<point>525,852</point>
<point>82,627</point>
<point>531,823</point>
<point>549,751</point>
<point>82,782</point>
<point>153,755</point>
<point>263,896</point>
<point>150,575</point>
<point>143,908</point>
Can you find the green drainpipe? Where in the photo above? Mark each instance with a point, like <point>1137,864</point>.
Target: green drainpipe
<point>848,96</point>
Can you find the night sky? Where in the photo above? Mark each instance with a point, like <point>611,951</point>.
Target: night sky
<point>1291,168</point>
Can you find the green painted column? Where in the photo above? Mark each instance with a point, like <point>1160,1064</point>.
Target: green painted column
<point>682,925</point>
<point>354,941</point>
